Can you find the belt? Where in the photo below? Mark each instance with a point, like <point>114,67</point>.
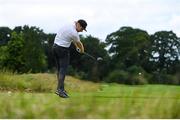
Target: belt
<point>56,45</point>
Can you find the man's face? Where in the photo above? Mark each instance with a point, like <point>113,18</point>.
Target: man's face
<point>79,28</point>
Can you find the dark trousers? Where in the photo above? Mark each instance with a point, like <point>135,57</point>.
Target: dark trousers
<point>61,55</point>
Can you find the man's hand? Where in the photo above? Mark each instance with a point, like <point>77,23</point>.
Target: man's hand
<point>79,47</point>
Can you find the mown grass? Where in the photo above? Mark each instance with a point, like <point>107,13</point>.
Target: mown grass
<point>32,96</point>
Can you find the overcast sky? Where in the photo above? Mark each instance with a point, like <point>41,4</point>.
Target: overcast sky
<point>103,16</point>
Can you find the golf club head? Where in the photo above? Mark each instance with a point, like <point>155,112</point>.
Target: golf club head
<point>99,59</point>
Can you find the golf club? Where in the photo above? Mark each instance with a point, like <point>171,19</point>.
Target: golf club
<point>92,57</point>
<point>96,59</point>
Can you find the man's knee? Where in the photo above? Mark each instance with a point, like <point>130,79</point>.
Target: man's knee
<point>63,71</point>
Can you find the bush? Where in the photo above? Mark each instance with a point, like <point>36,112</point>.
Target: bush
<point>117,76</point>
<point>135,70</point>
<point>136,79</point>
<point>162,78</point>
<point>78,74</point>
<point>71,70</point>
<point>177,78</point>
<point>133,76</point>
<point>137,75</point>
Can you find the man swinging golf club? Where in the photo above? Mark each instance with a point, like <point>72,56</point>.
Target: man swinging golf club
<point>65,36</point>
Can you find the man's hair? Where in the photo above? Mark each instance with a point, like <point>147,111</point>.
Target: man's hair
<point>83,23</point>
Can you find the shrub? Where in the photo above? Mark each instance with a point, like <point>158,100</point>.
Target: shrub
<point>137,75</point>
<point>133,76</point>
<point>134,79</point>
<point>117,76</point>
<point>162,78</point>
<point>135,69</point>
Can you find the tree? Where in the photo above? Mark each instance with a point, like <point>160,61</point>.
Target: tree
<point>47,46</point>
<point>128,47</point>
<point>165,51</point>
<point>33,54</point>
<point>12,58</point>
<point>5,33</point>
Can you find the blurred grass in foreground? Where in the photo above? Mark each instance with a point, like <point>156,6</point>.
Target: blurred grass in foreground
<point>32,96</point>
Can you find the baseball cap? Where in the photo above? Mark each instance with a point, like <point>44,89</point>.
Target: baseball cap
<point>83,23</point>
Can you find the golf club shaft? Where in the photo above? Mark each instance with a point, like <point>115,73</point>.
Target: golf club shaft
<point>90,56</point>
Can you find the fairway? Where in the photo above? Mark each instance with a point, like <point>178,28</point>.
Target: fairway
<point>87,99</point>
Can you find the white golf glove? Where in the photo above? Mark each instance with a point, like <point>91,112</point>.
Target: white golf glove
<point>77,49</point>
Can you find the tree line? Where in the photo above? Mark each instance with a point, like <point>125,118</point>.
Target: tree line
<point>130,55</point>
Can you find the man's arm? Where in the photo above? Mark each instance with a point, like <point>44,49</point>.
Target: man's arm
<point>80,46</point>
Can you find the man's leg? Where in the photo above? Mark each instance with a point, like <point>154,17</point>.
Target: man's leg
<point>62,61</point>
<point>63,69</point>
<point>56,58</point>
<point>62,73</point>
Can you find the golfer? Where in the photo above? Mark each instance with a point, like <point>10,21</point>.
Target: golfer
<point>66,35</point>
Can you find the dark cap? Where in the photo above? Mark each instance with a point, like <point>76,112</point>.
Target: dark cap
<point>83,23</point>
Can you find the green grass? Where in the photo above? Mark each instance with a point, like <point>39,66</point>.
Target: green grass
<point>32,96</point>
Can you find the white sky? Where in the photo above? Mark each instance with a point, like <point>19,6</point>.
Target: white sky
<point>103,16</point>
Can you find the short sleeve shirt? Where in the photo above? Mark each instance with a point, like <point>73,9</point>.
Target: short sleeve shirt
<point>66,35</point>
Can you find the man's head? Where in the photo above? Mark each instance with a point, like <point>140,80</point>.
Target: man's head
<point>81,25</point>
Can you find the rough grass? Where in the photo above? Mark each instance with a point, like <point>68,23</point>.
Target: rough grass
<point>41,83</point>
<point>32,96</point>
